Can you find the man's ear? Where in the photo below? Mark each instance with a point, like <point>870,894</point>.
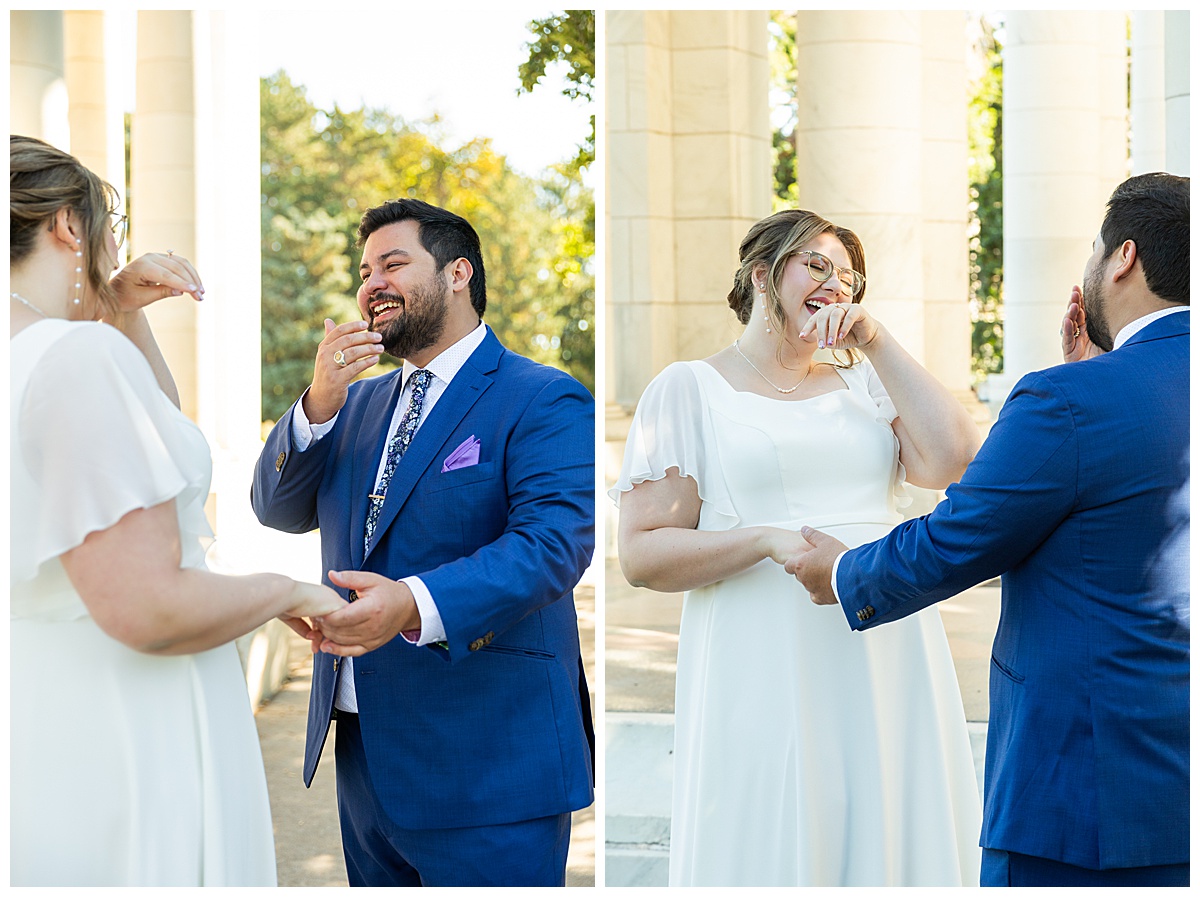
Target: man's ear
<point>460,274</point>
<point>1126,260</point>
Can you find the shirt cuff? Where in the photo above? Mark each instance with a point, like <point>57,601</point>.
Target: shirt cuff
<point>833,576</point>
<point>432,628</point>
<point>304,433</point>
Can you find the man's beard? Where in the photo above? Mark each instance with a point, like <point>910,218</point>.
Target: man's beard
<point>419,324</point>
<point>1093,308</point>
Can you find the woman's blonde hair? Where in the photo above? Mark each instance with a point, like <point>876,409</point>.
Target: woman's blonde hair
<point>768,245</point>
<point>42,180</point>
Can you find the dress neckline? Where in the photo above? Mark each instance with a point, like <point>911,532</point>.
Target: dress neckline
<point>13,337</point>
<point>739,392</point>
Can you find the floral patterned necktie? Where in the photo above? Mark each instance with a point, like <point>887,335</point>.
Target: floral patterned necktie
<point>396,449</point>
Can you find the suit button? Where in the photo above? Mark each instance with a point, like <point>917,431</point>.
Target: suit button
<point>482,641</point>
<point>869,612</point>
<point>279,461</point>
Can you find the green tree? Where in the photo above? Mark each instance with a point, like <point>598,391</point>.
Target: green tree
<point>986,222</point>
<point>781,28</point>
<point>569,38</point>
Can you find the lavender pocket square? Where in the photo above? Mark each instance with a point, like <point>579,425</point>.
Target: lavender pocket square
<point>466,455</point>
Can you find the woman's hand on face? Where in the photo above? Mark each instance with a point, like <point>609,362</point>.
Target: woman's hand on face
<point>154,276</point>
<point>840,325</point>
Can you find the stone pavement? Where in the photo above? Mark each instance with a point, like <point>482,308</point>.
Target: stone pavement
<point>308,847</point>
<point>641,637</point>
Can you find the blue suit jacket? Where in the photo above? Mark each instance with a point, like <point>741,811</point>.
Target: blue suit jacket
<point>497,727</point>
<point>1079,497</point>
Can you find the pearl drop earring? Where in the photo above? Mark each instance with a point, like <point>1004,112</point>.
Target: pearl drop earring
<point>762,291</point>
<point>78,272</point>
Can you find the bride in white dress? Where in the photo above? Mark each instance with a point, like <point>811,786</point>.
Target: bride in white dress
<point>134,756</point>
<point>805,754</point>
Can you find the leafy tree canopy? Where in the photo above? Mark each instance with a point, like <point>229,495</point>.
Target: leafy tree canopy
<point>568,38</point>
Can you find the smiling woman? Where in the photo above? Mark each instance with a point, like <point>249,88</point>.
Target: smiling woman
<point>718,471</point>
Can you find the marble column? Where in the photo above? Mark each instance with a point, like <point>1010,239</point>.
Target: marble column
<point>1177,86</point>
<point>1052,173</point>
<point>1147,93</point>
<point>859,146</point>
<point>37,93</point>
<point>639,192</point>
<point>86,77</point>
<point>163,178</point>
<point>1112,83</point>
<point>944,198</point>
<point>689,171</point>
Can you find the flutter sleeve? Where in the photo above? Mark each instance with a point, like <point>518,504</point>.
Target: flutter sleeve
<point>886,409</point>
<point>671,428</point>
<point>95,439</point>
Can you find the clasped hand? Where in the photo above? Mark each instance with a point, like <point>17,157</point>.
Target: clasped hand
<point>384,609</point>
<point>813,564</point>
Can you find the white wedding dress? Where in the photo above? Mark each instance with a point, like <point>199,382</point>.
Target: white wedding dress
<point>805,753</point>
<point>125,768</point>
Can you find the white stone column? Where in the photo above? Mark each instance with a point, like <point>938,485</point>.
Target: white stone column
<point>721,164</point>
<point>163,180</point>
<point>859,148</point>
<point>1112,80</point>
<point>37,93</point>
<point>1052,125</point>
<point>87,77</point>
<point>1177,84</point>
<point>640,200</point>
<point>688,155</point>
<point>1147,93</point>
<point>944,202</point>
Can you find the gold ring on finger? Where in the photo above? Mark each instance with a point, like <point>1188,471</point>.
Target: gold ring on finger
<point>170,252</point>
<point>339,358</point>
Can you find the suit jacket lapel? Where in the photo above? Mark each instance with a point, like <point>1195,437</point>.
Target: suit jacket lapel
<point>471,381</point>
<point>373,434</point>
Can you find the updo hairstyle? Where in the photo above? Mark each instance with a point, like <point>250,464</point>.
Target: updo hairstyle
<point>42,180</point>
<point>768,245</point>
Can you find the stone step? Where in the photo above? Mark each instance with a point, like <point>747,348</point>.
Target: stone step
<point>639,763</point>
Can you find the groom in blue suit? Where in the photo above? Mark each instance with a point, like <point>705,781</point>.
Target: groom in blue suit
<point>1079,497</point>
<point>455,499</point>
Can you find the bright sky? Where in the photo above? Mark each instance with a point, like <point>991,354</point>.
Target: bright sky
<point>459,63</point>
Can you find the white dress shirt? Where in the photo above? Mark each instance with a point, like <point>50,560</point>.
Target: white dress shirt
<point>304,434</point>
<point>1123,336</point>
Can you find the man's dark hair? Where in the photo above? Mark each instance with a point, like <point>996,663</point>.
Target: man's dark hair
<point>443,235</point>
<point>1153,210</point>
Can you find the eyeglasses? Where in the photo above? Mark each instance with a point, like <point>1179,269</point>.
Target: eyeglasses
<point>821,269</point>
<point>119,225</point>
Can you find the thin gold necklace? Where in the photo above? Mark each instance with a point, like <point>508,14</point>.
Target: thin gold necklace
<point>764,376</point>
<point>25,301</point>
